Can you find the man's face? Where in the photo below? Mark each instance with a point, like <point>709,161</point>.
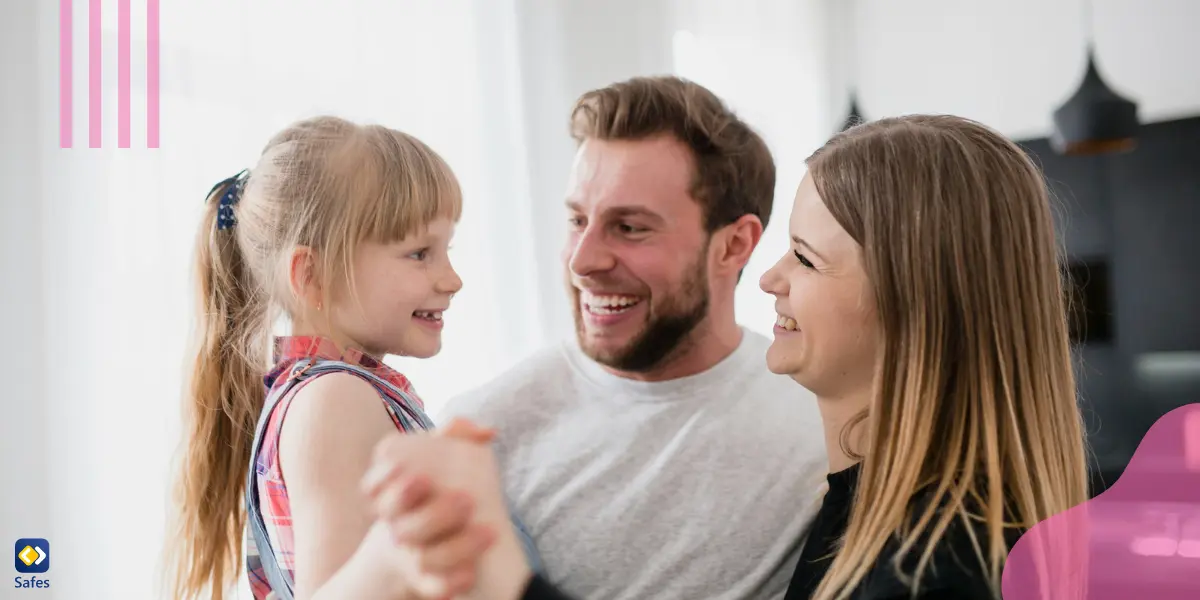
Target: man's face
<point>637,253</point>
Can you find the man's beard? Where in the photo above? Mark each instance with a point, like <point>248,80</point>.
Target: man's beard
<point>666,329</point>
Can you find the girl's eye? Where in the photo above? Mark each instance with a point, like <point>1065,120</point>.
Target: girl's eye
<point>420,254</point>
<point>804,261</point>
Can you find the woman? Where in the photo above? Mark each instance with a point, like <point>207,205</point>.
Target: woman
<point>921,301</point>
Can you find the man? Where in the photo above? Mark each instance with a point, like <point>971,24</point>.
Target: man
<point>655,456</point>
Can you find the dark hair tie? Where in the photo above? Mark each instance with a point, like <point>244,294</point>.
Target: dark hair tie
<point>233,193</point>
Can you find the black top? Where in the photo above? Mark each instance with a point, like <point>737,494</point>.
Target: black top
<point>954,571</point>
<point>828,526</point>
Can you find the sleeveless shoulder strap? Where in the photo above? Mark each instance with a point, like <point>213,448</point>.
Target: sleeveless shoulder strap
<point>407,410</point>
<point>412,418</point>
<point>281,582</point>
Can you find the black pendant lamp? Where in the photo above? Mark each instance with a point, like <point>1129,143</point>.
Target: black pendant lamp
<point>855,116</point>
<point>1095,119</point>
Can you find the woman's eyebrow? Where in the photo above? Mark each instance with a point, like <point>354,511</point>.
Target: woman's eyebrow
<point>799,242</point>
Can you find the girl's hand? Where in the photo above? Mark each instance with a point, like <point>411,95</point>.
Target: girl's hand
<point>439,570</point>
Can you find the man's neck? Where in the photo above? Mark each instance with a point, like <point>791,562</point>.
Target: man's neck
<point>706,346</point>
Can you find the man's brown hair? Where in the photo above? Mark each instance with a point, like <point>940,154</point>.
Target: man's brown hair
<point>734,171</point>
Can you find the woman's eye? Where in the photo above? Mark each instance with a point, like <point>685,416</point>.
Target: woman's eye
<point>803,261</point>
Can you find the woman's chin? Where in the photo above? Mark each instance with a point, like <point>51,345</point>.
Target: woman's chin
<point>780,365</point>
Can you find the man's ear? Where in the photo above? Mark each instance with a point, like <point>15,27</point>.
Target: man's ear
<point>735,243</point>
<point>303,279</point>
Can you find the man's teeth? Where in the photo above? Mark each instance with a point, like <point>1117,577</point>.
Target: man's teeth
<point>429,315</point>
<point>787,323</point>
<point>609,305</point>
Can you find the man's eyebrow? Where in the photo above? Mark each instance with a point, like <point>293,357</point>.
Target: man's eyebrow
<point>621,211</point>
<point>799,242</point>
<point>634,211</point>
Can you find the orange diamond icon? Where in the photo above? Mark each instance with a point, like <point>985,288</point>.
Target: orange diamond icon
<point>28,555</point>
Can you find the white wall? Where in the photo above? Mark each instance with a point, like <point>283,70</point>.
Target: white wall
<point>23,478</point>
<point>1010,64</point>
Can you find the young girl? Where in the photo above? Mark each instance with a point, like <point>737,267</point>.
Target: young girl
<point>344,229</point>
<point>921,301</point>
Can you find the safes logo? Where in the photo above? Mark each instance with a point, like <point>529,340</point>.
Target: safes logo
<point>31,555</point>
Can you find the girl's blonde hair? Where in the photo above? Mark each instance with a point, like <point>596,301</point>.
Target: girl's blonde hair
<point>974,402</point>
<point>325,184</point>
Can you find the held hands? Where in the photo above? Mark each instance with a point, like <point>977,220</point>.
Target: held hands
<point>438,498</point>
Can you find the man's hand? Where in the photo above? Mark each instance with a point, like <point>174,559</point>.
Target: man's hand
<point>439,497</point>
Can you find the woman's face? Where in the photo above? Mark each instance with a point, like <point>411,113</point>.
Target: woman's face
<point>827,336</point>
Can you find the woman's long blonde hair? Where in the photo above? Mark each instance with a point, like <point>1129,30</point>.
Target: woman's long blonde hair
<point>323,183</point>
<point>975,400</point>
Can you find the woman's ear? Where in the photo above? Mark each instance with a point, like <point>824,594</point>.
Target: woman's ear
<point>303,280</point>
<point>736,242</point>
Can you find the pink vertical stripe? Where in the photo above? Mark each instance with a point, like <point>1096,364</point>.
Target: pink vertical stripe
<point>122,73</point>
<point>152,73</point>
<point>65,33</point>
<point>95,90</point>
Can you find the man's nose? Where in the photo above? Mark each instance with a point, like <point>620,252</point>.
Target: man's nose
<point>590,254</point>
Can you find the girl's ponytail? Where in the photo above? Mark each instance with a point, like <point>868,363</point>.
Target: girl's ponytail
<point>224,397</point>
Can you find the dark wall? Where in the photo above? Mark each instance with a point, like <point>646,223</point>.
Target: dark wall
<point>1133,220</point>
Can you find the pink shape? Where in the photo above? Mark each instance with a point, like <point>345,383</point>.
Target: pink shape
<point>1138,539</point>
<point>65,91</point>
<point>1191,441</point>
<point>95,91</point>
<point>1155,546</point>
<point>152,93</point>
<point>122,73</point>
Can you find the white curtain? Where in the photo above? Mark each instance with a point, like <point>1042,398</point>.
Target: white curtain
<point>101,247</point>
<point>97,243</point>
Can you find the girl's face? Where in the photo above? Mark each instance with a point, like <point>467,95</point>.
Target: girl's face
<point>402,290</point>
<point>826,334</point>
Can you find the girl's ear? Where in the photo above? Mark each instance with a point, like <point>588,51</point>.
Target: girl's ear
<point>303,280</point>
